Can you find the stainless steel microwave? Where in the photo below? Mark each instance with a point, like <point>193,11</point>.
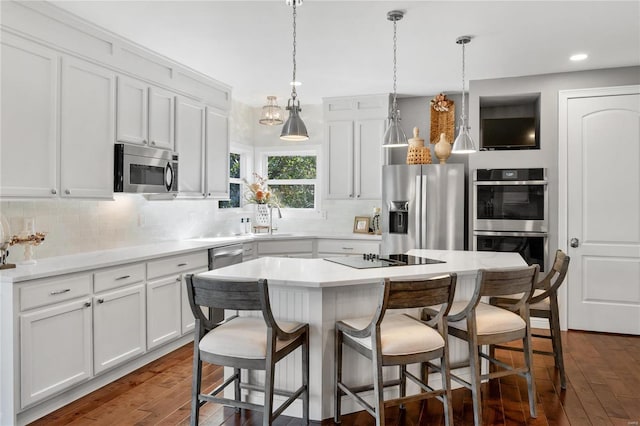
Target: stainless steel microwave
<point>144,170</point>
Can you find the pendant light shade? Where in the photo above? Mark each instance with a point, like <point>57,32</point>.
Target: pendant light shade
<point>294,128</point>
<point>271,113</point>
<point>394,136</point>
<point>464,143</point>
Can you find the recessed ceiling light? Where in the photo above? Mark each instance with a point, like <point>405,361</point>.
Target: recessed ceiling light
<point>579,57</point>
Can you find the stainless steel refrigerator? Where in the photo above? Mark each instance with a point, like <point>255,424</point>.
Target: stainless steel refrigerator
<point>422,207</point>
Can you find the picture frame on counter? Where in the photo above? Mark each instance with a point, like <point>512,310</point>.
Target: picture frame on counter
<point>361,224</point>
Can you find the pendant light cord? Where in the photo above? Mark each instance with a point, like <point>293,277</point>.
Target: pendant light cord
<point>293,82</point>
<point>463,116</point>
<point>395,66</point>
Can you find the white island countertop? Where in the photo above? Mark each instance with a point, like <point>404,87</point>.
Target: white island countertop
<point>320,273</point>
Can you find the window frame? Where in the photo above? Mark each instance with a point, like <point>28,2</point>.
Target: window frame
<point>262,155</point>
<point>246,171</point>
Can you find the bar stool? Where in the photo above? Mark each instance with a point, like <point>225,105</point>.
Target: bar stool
<point>397,340</point>
<point>544,304</point>
<point>483,324</point>
<point>254,343</point>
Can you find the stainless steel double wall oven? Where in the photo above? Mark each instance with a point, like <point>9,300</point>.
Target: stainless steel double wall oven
<point>511,212</point>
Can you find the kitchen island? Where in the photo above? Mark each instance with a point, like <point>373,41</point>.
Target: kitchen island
<point>320,292</point>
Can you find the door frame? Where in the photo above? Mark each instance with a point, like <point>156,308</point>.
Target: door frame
<point>563,170</point>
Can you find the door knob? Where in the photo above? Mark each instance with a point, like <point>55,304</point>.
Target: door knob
<point>574,242</point>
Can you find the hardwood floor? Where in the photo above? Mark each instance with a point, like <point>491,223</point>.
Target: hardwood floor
<point>603,374</point>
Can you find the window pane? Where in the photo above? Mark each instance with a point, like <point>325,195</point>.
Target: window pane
<point>292,167</point>
<point>295,196</point>
<point>234,193</point>
<point>234,166</point>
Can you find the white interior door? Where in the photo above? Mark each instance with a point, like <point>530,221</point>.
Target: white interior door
<point>603,210</point>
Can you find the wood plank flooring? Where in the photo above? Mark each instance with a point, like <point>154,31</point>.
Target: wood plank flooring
<point>603,374</point>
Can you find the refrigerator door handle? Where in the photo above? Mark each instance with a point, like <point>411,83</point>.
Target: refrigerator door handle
<point>423,226</point>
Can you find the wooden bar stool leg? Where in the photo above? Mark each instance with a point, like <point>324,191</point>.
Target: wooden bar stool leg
<point>269,374</point>
<point>338,377</point>
<point>378,389</point>
<point>446,384</point>
<point>556,340</point>
<point>474,366</point>
<point>305,379</point>
<point>403,382</point>
<point>195,396</point>
<point>237,393</point>
<point>528,358</point>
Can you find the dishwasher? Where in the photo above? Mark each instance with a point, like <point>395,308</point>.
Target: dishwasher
<point>219,257</point>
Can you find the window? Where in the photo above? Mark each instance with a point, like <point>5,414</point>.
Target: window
<point>235,183</point>
<point>293,178</point>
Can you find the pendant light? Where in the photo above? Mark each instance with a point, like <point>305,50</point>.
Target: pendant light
<point>464,143</point>
<point>271,112</point>
<point>394,136</point>
<point>294,129</point>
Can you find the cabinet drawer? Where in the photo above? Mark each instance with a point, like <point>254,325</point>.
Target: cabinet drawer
<point>288,246</point>
<point>348,246</point>
<point>176,264</point>
<point>50,291</point>
<point>118,277</point>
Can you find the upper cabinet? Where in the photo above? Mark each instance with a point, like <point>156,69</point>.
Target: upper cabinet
<point>70,90</point>
<point>354,128</point>
<point>29,120</point>
<point>145,114</point>
<point>87,124</point>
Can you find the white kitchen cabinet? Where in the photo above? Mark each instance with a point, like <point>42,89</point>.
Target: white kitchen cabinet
<point>346,247</point>
<point>188,320</point>
<point>217,154</point>
<point>87,130</point>
<point>145,114</point>
<point>119,316</point>
<point>161,118</point>
<point>164,318</point>
<point>190,128</point>
<point>29,131</point>
<point>286,248</point>
<point>55,349</point>
<point>354,130</point>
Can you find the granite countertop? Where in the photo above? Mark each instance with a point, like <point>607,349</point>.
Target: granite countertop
<point>58,265</point>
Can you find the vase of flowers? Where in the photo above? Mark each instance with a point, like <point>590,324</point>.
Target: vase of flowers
<point>258,193</point>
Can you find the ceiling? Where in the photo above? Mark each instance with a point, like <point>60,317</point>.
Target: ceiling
<point>345,47</point>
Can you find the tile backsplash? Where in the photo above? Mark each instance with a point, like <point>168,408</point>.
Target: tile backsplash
<point>75,226</point>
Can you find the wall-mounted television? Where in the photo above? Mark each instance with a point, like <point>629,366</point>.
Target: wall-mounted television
<point>508,133</point>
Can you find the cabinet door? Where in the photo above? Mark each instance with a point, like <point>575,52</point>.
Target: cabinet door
<point>190,147</point>
<point>217,154</point>
<point>28,153</point>
<point>164,319</point>
<point>119,326</point>
<point>368,158</point>
<point>339,147</point>
<point>131,123</point>
<point>55,349</point>
<point>87,130</point>
<point>188,321</point>
<point>161,118</point>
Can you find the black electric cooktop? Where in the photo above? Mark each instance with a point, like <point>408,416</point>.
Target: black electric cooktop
<point>384,261</point>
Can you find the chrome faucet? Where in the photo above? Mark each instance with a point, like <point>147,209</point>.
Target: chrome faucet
<point>271,217</point>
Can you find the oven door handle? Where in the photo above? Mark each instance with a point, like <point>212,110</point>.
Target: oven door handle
<point>509,234</point>
<point>510,182</point>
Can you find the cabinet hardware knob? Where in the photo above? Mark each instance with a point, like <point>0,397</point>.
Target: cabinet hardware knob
<point>87,304</point>
<point>358,196</point>
<point>124,277</point>
<point>66,191</point>
<point>55,292</point>
<point>574,242</point>
<point>54,192</point>
<point>179,279</point>
<point>153,142</point>
<point>144,141</point>
<point>180,265</point>
<point>350,195</point>
<point>100,300</point>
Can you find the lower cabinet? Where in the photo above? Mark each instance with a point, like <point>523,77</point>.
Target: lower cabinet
<point>55,348</point>
<point>164,318</point>
<point>119,326</point>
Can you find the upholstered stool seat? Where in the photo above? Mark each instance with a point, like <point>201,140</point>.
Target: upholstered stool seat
<point>489,319</point>
<point>396,339</point>
<point>243,337</point>
<point>400,334</point>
